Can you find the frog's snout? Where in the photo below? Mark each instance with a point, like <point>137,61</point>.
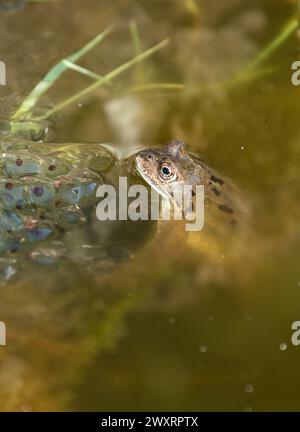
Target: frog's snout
<point>144,163</point>
<point>139,159</point>
<point>143,158</point>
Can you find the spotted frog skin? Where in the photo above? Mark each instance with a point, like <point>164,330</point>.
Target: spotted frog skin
<point>172,164</point>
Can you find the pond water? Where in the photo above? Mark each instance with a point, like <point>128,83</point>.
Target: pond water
<point>132,316</point>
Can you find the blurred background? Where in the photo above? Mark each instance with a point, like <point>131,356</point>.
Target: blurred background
<point>176,326</point>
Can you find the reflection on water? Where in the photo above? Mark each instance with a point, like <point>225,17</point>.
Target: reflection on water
<point>138,315</point>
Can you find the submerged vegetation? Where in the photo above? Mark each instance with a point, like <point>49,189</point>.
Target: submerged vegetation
<point>26,111</point>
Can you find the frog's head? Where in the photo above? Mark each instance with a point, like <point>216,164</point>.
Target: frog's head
<point>169,169</point>
<point>163,168</point>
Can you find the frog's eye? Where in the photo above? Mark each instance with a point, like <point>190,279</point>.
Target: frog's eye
<point>167,172</point>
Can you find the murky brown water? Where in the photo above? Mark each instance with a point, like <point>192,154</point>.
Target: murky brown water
<point>163,322</point>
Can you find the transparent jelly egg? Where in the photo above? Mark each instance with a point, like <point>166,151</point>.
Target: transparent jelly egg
<point>41,194</point>
<point>20,165</point>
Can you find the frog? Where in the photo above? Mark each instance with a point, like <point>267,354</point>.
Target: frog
<point>226,210</point>
<point>172,165</point>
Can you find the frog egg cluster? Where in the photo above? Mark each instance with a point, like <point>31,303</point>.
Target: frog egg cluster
<point>44,190</point>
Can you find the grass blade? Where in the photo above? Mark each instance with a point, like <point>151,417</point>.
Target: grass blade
<point>287,31</point>
<point>75,67</point>
<point>54,73</point>
<point>105,79</point>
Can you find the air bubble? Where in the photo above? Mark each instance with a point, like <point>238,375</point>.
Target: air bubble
<point>247,408</point>
<point>249,388</point>
<point>283,346</point>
